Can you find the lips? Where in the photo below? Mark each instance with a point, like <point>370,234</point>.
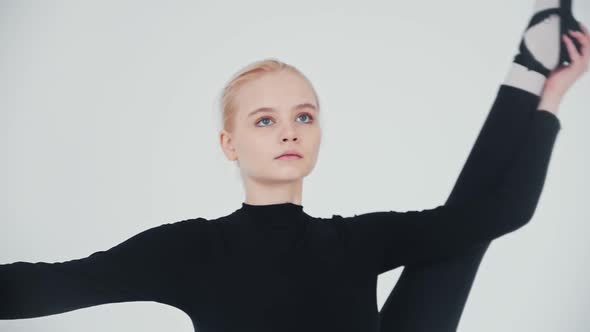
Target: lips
<point>290,153</point>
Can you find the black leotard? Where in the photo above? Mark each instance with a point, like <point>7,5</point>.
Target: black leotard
<point>276,268</point>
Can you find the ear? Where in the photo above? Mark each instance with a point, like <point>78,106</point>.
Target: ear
<point>225,140</point>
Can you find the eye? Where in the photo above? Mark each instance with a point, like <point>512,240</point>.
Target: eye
<point>268,118</point>
<point>308,115</point>
<point>262,119</point>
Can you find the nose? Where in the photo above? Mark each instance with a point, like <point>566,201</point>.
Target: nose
<point>289,132</point>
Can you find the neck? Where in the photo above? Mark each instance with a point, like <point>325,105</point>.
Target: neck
<point>285,214</point>
<point>273,192</point>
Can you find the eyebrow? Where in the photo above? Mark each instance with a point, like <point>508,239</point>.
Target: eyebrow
<point>270,109</point>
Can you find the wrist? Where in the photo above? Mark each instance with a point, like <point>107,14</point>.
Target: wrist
<point>550,101</point>
<point>553,90</point>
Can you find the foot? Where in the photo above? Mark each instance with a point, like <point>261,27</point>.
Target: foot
<point>541,48</point>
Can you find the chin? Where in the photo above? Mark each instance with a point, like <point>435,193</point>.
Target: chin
<point>288,174</point>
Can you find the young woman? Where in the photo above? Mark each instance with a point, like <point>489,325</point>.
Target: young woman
<point>270,266</point>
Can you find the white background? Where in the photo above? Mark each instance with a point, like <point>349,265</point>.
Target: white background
<point>109,126</point>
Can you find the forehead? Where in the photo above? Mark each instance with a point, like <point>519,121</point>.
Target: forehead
<point>281,89</point>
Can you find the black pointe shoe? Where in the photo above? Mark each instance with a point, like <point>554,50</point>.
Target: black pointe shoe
<point>567,22</point>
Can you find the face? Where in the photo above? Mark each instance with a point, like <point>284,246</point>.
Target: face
<point>260,137</point>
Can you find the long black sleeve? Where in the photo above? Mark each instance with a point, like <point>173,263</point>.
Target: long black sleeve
<point>399,238</point>
<point>142,268</point>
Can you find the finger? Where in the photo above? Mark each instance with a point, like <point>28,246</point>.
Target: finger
<point>584,41</point>
<point>584,30</point>
<point>583,27</point>
<point>583,38</point>
<point>587,35</point>
<point>586,48</point>
<point>571,49</point>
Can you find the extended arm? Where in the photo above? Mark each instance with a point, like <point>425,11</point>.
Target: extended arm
<point>139,269</point>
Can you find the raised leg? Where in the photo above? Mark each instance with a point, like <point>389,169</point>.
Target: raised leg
<point>431,296</point>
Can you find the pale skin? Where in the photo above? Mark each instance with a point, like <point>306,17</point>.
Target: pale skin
<point>562,78</point>
<point>258,139</point>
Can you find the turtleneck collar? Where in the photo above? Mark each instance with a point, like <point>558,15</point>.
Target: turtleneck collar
<point>278,215</point>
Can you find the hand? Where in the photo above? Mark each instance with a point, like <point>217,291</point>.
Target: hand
<point>562,78</point>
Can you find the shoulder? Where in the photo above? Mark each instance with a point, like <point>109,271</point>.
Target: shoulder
<point>197,228</point>
<point>198,237</point>
<point>177,234</point>
<point>330,228</point>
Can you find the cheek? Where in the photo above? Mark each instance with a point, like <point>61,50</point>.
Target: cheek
<point>315,138</point>
<point>257,148</point>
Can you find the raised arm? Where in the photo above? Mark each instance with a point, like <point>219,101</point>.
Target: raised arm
<point>142,268</point>
<point>391,239</point>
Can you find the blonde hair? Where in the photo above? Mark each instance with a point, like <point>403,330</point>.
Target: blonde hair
<point>250,72</point>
